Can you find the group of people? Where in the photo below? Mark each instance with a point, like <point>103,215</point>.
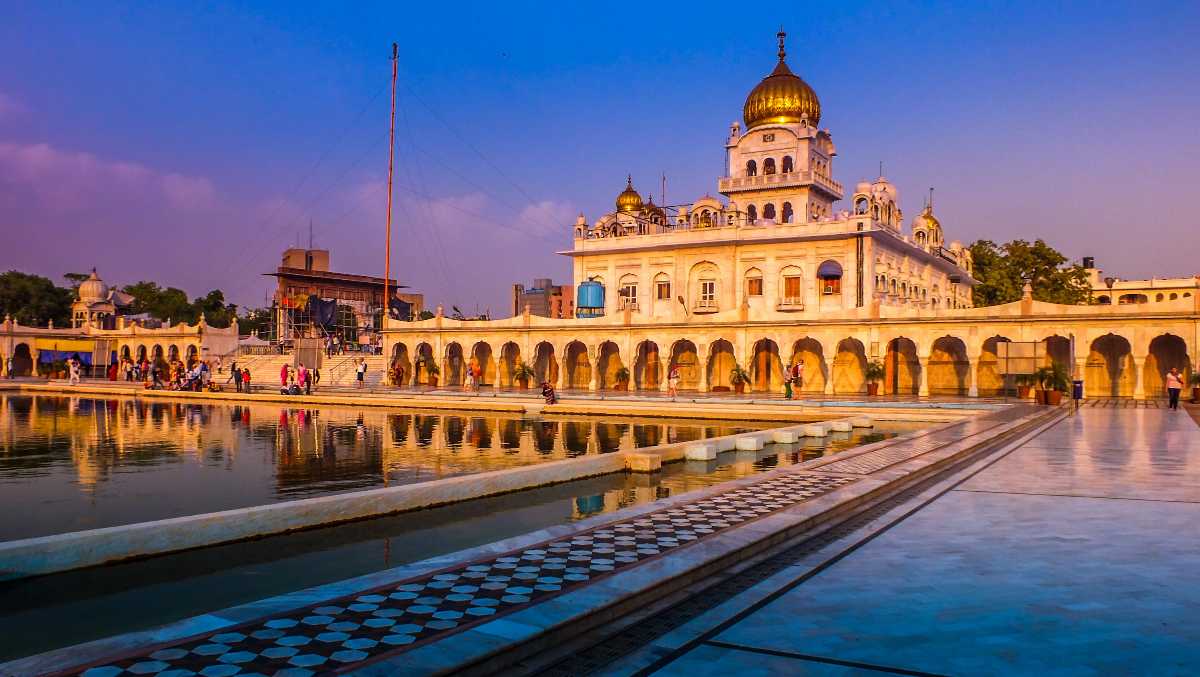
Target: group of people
<point>195,375</point>
<point>298,381</point>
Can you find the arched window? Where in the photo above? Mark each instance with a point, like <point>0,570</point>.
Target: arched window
<point>875,212</point>
<point>1104,300</point>
<point>769,211</point>
<point>1159,297</point>
<point>751,168</point>
<point>1174,296</point>
<point>860,206</point>
<point>787,212</point>
<point>920,237</point>
<point>791,286</point>
<point>754,282</point>
<point>788,167</point>
<point>769,166</point>
<point>662,287</point>
<point>751,214</point>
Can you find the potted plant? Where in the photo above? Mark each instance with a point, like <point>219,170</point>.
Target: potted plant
<point>739,378</point>
<point>874,374</point>
<point>431,370</point>
<point>522,374</point>
<point>1195,381</point>
<point>1025,383</point>
<point>622,376</point>
<point>1052,383</point>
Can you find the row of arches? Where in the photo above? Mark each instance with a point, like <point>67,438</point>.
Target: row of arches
<point>22,364</point>
<point>1110,369</point>
<point>786,166</point>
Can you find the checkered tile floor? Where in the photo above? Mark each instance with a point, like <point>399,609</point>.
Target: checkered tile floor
<point>346,632</point>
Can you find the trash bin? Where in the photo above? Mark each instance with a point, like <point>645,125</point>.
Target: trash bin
<point>1077,390</point>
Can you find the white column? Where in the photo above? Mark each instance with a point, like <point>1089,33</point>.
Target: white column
<point>973,384</point>
<point>829,376</point>
<point>1139,387</point>
<point>923,378</point>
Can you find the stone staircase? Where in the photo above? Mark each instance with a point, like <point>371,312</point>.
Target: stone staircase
<point>336,371</point>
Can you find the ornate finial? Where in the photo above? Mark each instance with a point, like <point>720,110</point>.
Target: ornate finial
<point>781,35</point>
<point>629,180</point>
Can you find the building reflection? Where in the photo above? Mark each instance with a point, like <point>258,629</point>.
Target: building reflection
<point>308,451</point>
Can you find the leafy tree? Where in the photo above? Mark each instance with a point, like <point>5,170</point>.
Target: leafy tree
<point>34,300</point>
<point>426,315</point>
<point>1003,269</point>
<point>75,279</point>
<point>256,320</point>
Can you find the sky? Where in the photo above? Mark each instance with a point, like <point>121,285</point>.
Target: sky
<point>190,143</point>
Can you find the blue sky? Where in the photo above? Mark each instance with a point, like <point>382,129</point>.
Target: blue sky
<point>189,143</point>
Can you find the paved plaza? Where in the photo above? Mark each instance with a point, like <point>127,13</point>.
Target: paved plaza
<point>1073,555</point>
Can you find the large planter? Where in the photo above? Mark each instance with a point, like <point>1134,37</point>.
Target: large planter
<point>523,383</point>
<point>621,385</point>
<point>1196,395</point>
<point>433,380</point>
<point>1023,392</point>
<point>872,389</point>
<point>1039,396</point>
<point>1053,397</point>
<point>739,388</point>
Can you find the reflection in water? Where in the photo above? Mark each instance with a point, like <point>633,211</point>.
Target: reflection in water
<point>71,463</point>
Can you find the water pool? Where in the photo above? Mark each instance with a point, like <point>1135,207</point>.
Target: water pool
<point>75,463</point>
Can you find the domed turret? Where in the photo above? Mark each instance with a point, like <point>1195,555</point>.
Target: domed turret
<point>93,289</point>
<point>654,212</point>
<point>782,98</point>
<point>629,200</point>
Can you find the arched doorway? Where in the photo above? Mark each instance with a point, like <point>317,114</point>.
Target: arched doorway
<point>850,367</point>
<point>579,368</point>
<point>1109,368</point>
<point>510,357</point>
<point>125,355</point>
<point>455,372</point>
<point>192,355</point>
<point>400,368</point>
<point>1166,351</point>
<point>766,369</point>
<point>810,351</point>
<point>172,353</point>
<point>647,367</point>
<point>720,363</point>
<point>22,360</point>
<point>989,381</point>
<point>481,358</point>
<point>949,367</point>
<point>686,361</point>
<point>901,367</point>
<point>608,363</point>
<point>156,357</point>
<point>422,360</point>
<point>545,366</point>
<point>1057,350</point>
<point>141,354</point>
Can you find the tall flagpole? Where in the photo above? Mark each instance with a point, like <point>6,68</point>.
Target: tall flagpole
<point>387,247</point>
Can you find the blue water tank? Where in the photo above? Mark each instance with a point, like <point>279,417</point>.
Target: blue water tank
<point>589,299</point>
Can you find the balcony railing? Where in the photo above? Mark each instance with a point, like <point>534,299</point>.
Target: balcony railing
<point>627,304</point>
<point>705,306</point>
<point>790,304</point>
<point>737,183</point>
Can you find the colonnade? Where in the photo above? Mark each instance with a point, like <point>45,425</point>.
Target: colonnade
<point>1113,363</point>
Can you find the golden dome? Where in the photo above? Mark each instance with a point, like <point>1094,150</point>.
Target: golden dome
<point>782,97</point>
<point>930,220</point>
<point>629,200</point>
<point>653,209</point>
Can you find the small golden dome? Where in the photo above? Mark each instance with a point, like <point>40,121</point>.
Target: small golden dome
<point>629,200</point>
<point>930,220</point>
<point>653,209</point>
<point>782,97</point>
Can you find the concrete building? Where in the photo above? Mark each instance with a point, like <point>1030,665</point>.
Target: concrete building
<point>544,299</point>
<point>773,272</point>
<point>304,273</point>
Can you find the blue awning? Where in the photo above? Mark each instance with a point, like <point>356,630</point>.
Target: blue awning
<point>830,269</point>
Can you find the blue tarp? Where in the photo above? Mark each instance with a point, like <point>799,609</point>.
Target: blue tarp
<point>48,356</point>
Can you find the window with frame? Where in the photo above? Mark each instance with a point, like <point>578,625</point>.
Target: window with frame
<point>831,285</point>
<point>628,294</point>
<point>708,293</point>
<point>792,285</point>
<point>662,291</point>
<point>754,286</point>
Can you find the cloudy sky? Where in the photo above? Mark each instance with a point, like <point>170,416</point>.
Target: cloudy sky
<point>189,143</point>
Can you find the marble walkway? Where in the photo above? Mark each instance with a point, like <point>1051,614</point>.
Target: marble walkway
<point>1076,554</point>
<point>363,625</point>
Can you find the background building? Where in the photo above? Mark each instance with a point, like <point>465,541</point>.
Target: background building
<point>544,299</point>
<point>305,273</point>
<point>1106,289</point>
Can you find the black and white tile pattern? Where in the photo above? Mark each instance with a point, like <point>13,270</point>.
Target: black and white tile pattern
<point>343,632</point>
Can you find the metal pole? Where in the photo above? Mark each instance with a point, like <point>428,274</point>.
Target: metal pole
<point>387,248</point>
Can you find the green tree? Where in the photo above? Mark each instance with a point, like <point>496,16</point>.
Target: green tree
<point>1003,269</point>
<point>426,315</point>
<point>34,300</point>
<point>256,320</point>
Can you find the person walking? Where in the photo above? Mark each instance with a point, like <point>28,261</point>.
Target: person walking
<point>673,382</point>
<point>246,381</point>
<point>73,367</point>
<point>283,376</point>
<point>302,378</point>
<point>797,378</point>
<point>314,379</point>
<point>235,375</point>
<point>362,372</point>
<point>469,384</point>
<point>1174,383</point>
